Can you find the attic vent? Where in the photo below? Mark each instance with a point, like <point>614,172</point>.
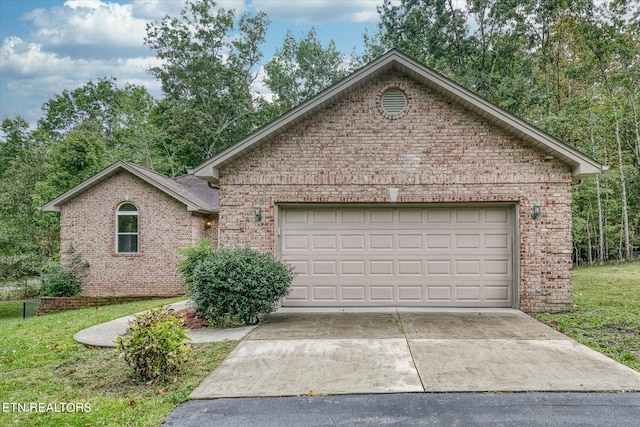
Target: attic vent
<point>393,101</point>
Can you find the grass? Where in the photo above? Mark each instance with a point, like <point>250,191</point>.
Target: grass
<point>10,310</point>
<point>606,315</point>
<point>40,362</point>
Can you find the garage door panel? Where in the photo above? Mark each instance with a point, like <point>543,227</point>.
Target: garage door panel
<point>381,268</point>
<point>300,266</point>
<point>500,216</point>
<point>299,293</point>
<point>438,216</point>
<point>410,268</point>
<point>497,241</point>
<point>497,267</point>
<point>381,216</point>
<point>323,242</point>
<point>438,241</point>
<point>383,293</point>
<point>399,256</point>
<point>353,267</point>
<point>354,293</point>
<point>352,217</point>
<point>439,268</point>
<point>325,293</point>
<point>381,241</point>
<point>467,267</point>
<point>497,293</point>
<point>468,293</point>
<point>410,216</point>
<point>295,242</point>
<point>410,293</point>
<point>467,241</point>
<point>410,241</point>
<point>439,293</point>
<point>467,216</point>
<point>324,268</point>
<point>324,216</point>
<point>352,242</point>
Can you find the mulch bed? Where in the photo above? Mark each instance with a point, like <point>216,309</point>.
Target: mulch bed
<point>191,321</point>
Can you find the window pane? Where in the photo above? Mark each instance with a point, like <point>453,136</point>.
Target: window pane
<point>127,207</point>
<point>127,223</point>
<point>128,243</point>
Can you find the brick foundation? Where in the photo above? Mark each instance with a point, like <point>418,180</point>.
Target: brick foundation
<point>50,305</point>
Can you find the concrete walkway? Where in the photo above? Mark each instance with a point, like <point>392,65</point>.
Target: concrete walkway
<point>105,334</point>
<point>298,352</point>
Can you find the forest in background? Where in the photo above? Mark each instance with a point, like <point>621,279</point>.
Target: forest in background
<point>571,68</point>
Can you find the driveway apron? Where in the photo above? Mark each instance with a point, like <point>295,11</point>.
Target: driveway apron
<point>297,352</point>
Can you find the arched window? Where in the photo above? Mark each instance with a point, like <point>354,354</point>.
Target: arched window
<point>127,229</point>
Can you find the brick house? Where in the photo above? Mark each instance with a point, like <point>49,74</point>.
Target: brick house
<point>393,187</point>
<point>398,187</point>
<point>128,223</point>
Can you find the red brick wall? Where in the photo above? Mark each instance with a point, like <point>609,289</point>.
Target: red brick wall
<point>165,225</point>
<point>434,152</point>
<point>49,305</point>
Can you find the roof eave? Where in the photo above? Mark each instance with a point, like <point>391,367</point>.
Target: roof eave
<point>55,204</point>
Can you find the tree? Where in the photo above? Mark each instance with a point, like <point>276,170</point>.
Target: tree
<point>209,61</point>
<point>301,69</point>
<point>27,236</point>
<point>431,31</point>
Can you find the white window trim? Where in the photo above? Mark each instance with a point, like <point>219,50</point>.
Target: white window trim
<point>118,234</point>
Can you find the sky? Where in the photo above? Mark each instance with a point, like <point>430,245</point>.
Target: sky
<point>47,46</point>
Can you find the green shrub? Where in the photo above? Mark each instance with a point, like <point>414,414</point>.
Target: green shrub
<point>154,345</point>
<point>64,279</point>
<point>194,256</point>
<point>235,284</point>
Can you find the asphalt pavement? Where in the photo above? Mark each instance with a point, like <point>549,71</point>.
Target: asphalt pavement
<point>415,409</point>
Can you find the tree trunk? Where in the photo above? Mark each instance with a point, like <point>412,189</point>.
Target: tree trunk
<point>601,254</point>
<point>600,221</point>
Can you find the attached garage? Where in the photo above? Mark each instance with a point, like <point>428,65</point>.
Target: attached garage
<point>399,256</point>
<point>398,187</point>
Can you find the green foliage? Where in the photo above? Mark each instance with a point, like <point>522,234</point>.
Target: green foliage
<point>209,59</point>
<point>235,284</point>
<point>64,279</point>
<point>301,69</point>
<point>154,345</point>
<point>194,256</point>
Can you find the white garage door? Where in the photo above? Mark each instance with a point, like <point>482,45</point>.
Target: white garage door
<point>400,256</point>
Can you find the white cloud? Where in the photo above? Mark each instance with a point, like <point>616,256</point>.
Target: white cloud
<point>319,11</point>
<point>85,28</point>
<point>154,10</point>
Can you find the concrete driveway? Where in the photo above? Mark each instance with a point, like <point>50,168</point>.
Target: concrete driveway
<point>298,352</point>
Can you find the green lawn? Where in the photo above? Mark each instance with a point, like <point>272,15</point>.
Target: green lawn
<point>606,315</point>
<point>41,363</point>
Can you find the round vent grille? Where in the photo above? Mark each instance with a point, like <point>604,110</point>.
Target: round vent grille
<point>393,101</point>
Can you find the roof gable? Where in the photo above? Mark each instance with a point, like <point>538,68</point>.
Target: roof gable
<point>190,191</point>
<point>581,164</point>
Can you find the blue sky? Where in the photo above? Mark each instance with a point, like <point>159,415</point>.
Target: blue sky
<point>47,46</point>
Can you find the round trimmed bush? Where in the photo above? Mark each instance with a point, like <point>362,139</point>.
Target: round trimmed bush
<point>235,284</point>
